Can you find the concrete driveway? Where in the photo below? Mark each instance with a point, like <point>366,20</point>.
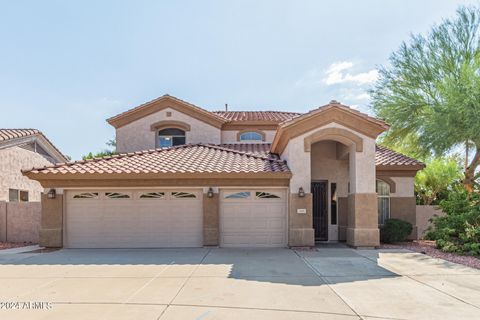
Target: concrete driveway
<point>330,283</point>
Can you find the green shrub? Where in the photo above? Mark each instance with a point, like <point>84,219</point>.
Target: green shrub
<point>459,230</point>
<point>395,230</point>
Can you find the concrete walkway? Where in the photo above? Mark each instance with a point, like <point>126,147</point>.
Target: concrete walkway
<point>326,283</point>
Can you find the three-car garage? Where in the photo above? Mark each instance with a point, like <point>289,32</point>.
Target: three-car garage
<point>166,218</point>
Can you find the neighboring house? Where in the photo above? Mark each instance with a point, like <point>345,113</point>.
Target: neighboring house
<point>23,149</point>
<point>188,177</point>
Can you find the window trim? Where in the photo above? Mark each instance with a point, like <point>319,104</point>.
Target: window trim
<point>387,216</point>
<point>241,132</point>
<point>157,136</point>
<point>19,193</point>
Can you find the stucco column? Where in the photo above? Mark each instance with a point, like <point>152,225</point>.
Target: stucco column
<point>300,230</point>
<point>211,207</point>
<point>51,230</point>
<point>362,220</point>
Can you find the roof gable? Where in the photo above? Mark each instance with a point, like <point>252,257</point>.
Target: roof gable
<point>165,101</point>
<point>332,112</point>
<point>20,137</point>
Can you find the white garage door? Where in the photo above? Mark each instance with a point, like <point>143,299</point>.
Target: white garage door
<point>134,219</point>
<point>253,218</point>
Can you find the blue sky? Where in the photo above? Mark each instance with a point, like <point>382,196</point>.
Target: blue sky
<point>66,66</point>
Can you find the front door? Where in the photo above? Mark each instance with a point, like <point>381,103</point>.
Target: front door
<point>320,210</point>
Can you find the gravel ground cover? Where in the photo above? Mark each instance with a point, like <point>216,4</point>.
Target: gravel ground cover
<point>428,248</point>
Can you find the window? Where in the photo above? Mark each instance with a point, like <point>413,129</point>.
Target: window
<point>238,195</point>
<point>24,196</point>
<point>183,195</point>
<point>86,195</point>
<point>266,195</point>
<point>15,195</point>
<point>116,195</point>
<point>333,203</point>
<point>251,136</point>
<point>152,195</point>
<point>383,194</point>
<point>170,137</point>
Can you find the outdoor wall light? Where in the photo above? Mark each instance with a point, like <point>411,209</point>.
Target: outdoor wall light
<point>210,192</point>
<point>301,192</point>
<point>52,194</point>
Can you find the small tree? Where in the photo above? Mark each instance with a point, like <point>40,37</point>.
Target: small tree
<point>106,152</point>
<point>432,90</point>
<point>435,178</point>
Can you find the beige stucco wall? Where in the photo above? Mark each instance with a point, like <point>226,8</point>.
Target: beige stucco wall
<point>51,225</point>
<point>363,162</point>
<point>423,215</point>
<point>404,187</point>
<point>138,135</point>
<point>230,136</point>
<point>211,219</point>
<point>326,166</point>
<point>300,231</point>
<point>12,161</point>
<point>20,221</point>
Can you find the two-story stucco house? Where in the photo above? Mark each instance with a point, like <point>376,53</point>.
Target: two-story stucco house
<point>23,149</point>
<point>188,177</point>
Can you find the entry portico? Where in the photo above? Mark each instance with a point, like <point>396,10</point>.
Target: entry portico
<point>336,146</point>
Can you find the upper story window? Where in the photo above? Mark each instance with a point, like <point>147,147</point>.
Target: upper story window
<point>383,196</point>
<point>170,137</point>
<point>251,136</point>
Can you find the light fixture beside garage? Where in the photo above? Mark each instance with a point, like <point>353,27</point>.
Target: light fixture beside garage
<point>210,193</point>
<point>52,194</point>
<point>301,192</point>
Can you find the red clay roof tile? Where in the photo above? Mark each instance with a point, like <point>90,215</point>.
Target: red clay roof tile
<point>387,157</point>
<point>268,116</point>
<point>197,158</point>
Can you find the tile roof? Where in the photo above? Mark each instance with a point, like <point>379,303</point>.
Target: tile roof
<point>195,158</point>
<point>387,157</point>
<point>270,116</point>
<point>338,105</point>
<point>258,149</point>
<point>164,97</point>
<point>7,135</point>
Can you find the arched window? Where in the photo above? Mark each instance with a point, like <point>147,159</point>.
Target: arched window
<point>170,137</point>
<point>251,136</point>
<point>383,195</point>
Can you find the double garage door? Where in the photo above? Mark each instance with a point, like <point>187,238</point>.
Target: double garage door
<point>134,219</point>
<point>172,218</point>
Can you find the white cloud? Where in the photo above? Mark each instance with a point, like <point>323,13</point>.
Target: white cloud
<point>337,73</point>
<point>362,96</point>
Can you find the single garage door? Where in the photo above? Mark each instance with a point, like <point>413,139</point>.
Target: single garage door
<point>133,218</point>
<point>253,218</point>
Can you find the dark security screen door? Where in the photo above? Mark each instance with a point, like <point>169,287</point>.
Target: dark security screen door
<point>320,211</point>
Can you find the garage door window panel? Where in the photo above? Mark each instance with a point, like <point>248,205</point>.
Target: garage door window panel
<point>117,195</point>
<point>152,195</point>
<point>238,195</point>
<point>265,195</point>
<point>86,195</point>
<point>183,195</point>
